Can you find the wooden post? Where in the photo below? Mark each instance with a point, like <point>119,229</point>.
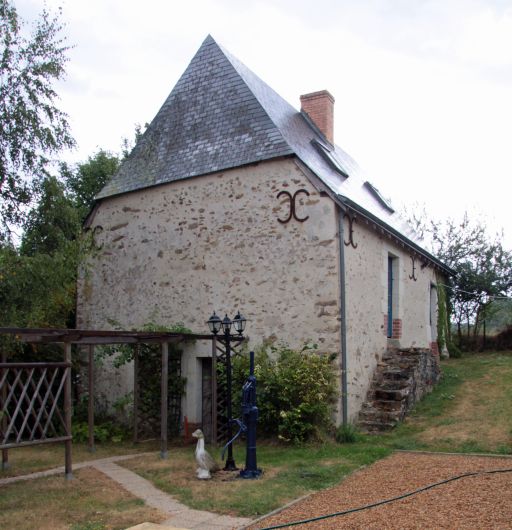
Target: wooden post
<point>214,390</point>
<point>67,411</point>
<point>90,408</point>
<point>164,399</point>
<point>135,393</point>
<point>5,452</point>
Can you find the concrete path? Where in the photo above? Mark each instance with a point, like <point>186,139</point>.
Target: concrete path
<point>180,516</point>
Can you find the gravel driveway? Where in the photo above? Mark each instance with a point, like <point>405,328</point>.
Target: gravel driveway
<point>478,502</point>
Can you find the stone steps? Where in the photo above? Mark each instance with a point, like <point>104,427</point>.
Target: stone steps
<point>375,426</point>
<point>400,379</point>
<point>380,415</point>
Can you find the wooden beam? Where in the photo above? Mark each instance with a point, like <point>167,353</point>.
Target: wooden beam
<point>87,336</point>
<point>90,405</point>
<point>5,452</point>
<point>136,368</point>
<point>164,400</point>
<point>67,411</point>
<point>37,442</point>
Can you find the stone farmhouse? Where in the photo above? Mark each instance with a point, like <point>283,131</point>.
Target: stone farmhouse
<point>234,200</point>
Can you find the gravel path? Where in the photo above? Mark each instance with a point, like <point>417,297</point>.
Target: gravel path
<point>478,502</point>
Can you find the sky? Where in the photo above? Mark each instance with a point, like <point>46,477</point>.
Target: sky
<point>423,88</point>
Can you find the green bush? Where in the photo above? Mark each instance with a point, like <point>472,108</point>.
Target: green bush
<point>296,390</point>
<point>104,432</point>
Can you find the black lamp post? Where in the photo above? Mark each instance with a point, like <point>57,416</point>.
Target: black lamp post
<point>216,324</point>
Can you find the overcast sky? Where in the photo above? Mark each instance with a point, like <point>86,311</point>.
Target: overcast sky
<point>423,88</point>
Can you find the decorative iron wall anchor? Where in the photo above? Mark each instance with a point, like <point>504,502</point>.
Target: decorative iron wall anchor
<point>413,275</point>
<point>96,231</point>
<point>293,211</point>
<point>351,220</point>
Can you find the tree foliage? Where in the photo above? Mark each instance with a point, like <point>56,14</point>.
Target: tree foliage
<point>38,279</point>
<point>32,127</point>
<point>86,180</point>
<point>482,265</point>
<point>53,223</point>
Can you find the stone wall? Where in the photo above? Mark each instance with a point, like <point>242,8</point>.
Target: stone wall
<point>176,252</point>
<point>367,305</point>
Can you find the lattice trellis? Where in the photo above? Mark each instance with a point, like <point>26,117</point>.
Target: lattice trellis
<point>222,392</point>
<point>32,403</point>
<point>148,372</point>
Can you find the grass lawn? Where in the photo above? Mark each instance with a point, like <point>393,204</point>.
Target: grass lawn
<point>289,472</point>
<point>90,501</point>
<point>469,411</point>
<point>47,456</point>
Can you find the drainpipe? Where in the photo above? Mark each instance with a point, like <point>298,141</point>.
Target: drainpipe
<point>343,340</point>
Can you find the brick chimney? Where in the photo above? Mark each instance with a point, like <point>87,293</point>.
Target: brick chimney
<point>319,106</point>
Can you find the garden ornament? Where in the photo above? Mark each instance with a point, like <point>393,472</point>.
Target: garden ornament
<point>205,461</point>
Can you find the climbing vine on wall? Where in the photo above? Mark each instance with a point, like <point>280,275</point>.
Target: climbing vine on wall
<point>443,331</point>
<point>149,379</point>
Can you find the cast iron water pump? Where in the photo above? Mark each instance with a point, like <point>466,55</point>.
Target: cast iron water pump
<point>247,424</point>
<point>250,420</point>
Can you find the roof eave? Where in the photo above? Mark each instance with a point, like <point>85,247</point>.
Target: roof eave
<point>348,203</point>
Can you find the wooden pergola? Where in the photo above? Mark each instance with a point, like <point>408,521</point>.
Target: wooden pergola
<point>25,397</point>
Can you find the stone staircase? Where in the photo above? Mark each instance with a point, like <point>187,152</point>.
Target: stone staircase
<point>401,378</point>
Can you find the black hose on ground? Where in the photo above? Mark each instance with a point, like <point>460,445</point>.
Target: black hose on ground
<point>393,499</point>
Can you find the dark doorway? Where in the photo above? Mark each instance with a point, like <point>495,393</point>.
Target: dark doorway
<point>206,394</point>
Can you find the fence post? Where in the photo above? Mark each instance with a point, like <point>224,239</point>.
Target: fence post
<point>67,410</point>
<point>164,399</point>
<point>90,408</point>
<point>136,393</point>
<point>5,452</point>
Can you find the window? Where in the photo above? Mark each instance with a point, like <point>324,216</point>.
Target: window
<point>433,312</point>
<point>392,319</point>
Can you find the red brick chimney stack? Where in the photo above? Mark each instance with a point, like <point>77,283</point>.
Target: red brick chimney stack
<point>319,106</point>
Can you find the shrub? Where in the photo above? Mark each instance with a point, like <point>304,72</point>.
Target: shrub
<point>104,432</point>
<point>346,434</point>
<point>454,350</point>
<point>296,390</point>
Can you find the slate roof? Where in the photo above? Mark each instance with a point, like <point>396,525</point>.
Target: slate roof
<point>211,121</point>
<point>220,115</point>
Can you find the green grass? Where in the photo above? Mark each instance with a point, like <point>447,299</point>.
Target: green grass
<point>470,410</point>
<point>90,501</point>
<point>289,472</point>
<point>33,458</point>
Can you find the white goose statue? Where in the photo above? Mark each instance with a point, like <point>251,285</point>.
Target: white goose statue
<point>203,458</point>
